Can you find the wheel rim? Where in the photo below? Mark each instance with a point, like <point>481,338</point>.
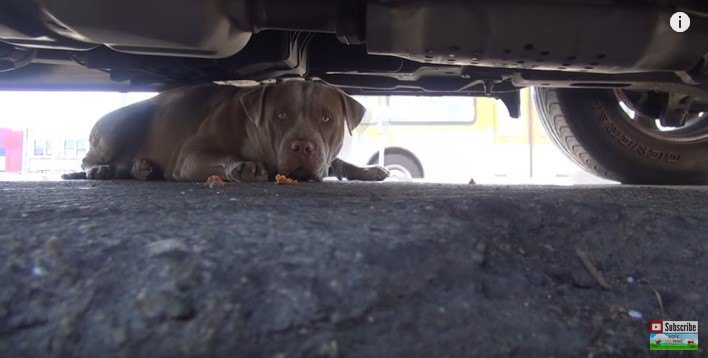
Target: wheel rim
<point>695,128</point>
<point>395,168</point>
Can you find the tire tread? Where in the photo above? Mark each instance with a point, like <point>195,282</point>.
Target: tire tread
<point>561,133</point>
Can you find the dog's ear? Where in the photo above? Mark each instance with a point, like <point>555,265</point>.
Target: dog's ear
<point>353,111</point>
<point>253,102</point>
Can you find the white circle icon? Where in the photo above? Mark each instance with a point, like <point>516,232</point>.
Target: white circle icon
<point>680,21</point>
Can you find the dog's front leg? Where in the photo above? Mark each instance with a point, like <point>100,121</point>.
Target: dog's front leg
<point>342,169</point>
<point>198,166</point>
<point>195,163</point>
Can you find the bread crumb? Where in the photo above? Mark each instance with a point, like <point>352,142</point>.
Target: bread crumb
<point>283,180</point>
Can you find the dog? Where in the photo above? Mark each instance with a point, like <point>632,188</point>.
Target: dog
<point>293,128</point>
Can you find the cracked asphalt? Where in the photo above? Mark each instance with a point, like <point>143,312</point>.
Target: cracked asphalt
<point>346,269</point>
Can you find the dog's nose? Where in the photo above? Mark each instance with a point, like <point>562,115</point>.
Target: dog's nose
<point>301,146</point>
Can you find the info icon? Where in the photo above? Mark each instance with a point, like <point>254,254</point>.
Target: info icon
<point>656,327</point>
<point>680,21</point>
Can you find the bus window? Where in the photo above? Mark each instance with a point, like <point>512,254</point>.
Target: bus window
<point>420,109</point>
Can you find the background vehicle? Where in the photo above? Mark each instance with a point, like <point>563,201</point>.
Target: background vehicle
<point>586,56</point>
<point>454,139</point>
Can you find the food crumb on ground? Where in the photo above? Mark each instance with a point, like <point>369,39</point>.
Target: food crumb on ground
<point>283,180</point>
<point>214,181</point>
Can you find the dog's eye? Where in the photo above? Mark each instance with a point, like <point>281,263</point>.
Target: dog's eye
<point>325,118</point>
<point>282,115</point>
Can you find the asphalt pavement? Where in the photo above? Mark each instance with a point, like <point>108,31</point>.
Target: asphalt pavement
<point>346,269</point>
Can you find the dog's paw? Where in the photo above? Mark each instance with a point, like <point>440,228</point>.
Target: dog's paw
<point>371,173</point>
<point>143,170</point>
<point>101,172</point>
<point>73,176</point>
<point>246,172</point>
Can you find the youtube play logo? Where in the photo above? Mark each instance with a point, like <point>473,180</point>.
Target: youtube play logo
<point>656,327</point>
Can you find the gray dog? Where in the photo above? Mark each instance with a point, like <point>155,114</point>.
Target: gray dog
<point>295,128</point>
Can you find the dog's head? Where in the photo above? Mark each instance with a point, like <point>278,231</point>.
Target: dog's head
<point>301,125</point>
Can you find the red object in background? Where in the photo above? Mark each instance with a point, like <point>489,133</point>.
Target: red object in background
<point>11,145</point>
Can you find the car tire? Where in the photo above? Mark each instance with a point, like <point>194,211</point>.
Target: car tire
<point>591,128</point>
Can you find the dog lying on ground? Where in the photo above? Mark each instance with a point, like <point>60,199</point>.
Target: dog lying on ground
<point>294,128</point>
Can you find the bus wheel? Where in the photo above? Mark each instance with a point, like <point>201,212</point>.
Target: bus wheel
<point>396,159</point>
<point>616,134</point>
<point>399,171</point>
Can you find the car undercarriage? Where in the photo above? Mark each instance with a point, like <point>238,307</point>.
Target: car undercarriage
<point>481,48</point>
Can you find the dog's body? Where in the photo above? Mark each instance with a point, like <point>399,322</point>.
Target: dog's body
<point>188,134</point>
